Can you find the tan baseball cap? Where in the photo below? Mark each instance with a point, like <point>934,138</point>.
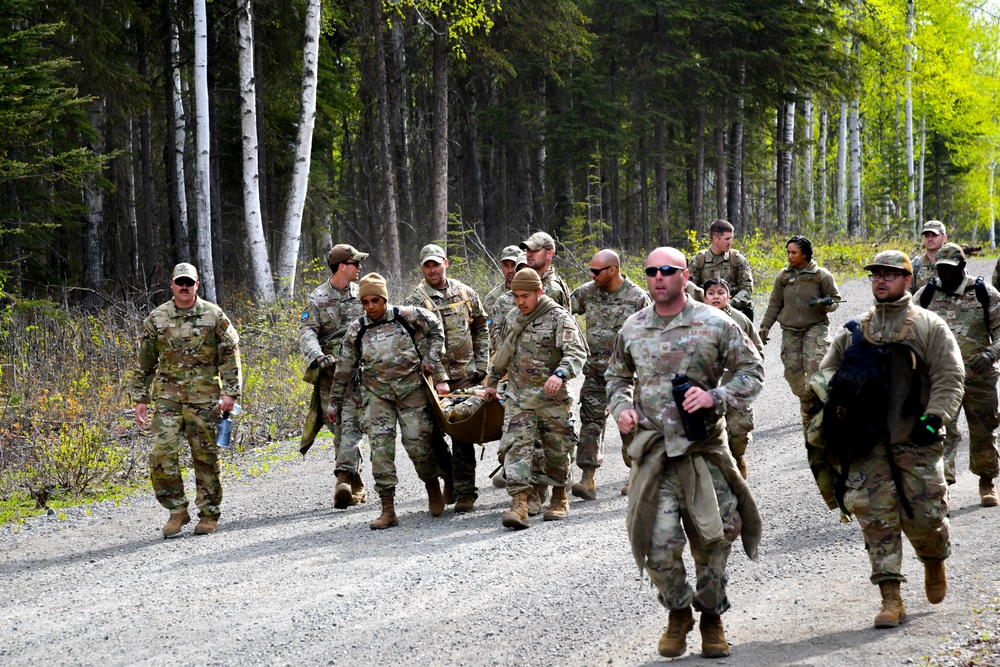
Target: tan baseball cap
<point>950,254</point>
<point>539,240</point>
<point>891,259</point>
<point>344,253</point>
<point>934,226</point>
<point>431,252</point>
<point>511,252</point>
<point>184,270</point>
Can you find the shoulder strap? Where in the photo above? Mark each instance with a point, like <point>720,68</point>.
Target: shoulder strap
<point>396,318</point>
<point>734,259</point>
<point>467,300</point>
<point>928,293</point>
<point>428,301</point>
<point>983,297</point>
<point>699,259</point>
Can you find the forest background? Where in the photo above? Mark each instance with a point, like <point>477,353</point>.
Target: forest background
<point>388,124</point>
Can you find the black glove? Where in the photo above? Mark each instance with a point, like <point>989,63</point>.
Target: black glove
<point>982,362</point>
<point>925,431</point>
<point>324,362</point>
<point>824,302</point>
<point>478,377</point>
<point>764,333</point>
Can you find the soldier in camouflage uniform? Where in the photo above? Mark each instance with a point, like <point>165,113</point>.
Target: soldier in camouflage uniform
<point>721,261</point>
<point>388,351</point>
<point>679,489</point>
<point>934,236</point>
<point>915,446</point>
<point>542,349</point>
<point>508,261</point>
<point>189,364</point>
<point>606,302</point>
<point>739,423</point>
<point>330,308</point>
<point>466,356</point>
<point>802,296</point>
<point>956,300</point>
<point>539,250</point>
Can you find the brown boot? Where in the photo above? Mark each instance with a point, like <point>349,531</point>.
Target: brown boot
<point>673,641</point>
<point>741,465</point>
<point>935,581</point>
<point>988,492</point>
<point>387,519</point>
<point>586,488</point>
<point>173,526</point>
<point>713,637</point>
<point>449,491</point>
<point>517,516</point>
<point>893,612</point>
<point>358,493</point>
<point>558,506</point>
<point>534,502</point>
<point>624,489</point>
<point>465,504</point>
<point>206,526</point>
<point>342,494</point>
<point>435,501</point>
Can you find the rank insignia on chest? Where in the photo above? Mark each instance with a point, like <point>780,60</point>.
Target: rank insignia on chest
<point>304,316</point>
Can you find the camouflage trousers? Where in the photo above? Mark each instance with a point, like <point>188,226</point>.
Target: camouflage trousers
<point>980,405</point>
<point>672,529</point>
<point>347,432</point>
<point>173,424</point>
<point>739,430</point>
<point>532,436</point>
<point>459,463</point>
<point>802,350</point>
<point>414,418</point>
<point>593,418</point>
<point>872,497</point>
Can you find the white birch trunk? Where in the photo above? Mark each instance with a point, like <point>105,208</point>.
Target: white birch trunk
<point>807,161</point>
<point>203,189</point>
<point>179,133</point>
<point>854,130</point>
<point>93,199</point>
<point>920,172</point>
<point>911,210</point>
<point>289,253</point>
<point>993,212</point>
<point>824,129</point>
<point>261,266</point>
<point>841,209</point>
<point>133,219</point>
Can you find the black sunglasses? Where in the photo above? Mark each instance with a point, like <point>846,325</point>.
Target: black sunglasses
<point>184,282</point>
<point>352,263</point>
<point>597,272</point>
<point>664,270</point>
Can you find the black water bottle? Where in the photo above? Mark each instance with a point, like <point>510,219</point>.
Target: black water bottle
<point>693,422</point>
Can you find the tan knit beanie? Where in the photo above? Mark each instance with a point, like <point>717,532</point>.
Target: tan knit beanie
<point>373,284</point>
<point>526,280</point>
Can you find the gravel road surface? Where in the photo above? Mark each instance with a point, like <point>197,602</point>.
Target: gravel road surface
<point>289,580</point>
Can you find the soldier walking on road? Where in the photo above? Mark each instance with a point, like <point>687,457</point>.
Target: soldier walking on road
<point>682,489</point>
<point>971,308</point>
<point>386,352</point>
<point>606,302</point>
<point>898,487</point>
<point>934,237</point>
<point>329,310</point>
<point>465,359</point>
<point>542,349</point>
<point>721,261</point>
<point>539,250</point>
<point>498,302</point>
<point>190,354</point>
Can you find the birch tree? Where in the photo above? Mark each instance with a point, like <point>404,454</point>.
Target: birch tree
<point>911,209</point>
<point>178,132</point>
<point>206,265</point>
<point>388,174</point>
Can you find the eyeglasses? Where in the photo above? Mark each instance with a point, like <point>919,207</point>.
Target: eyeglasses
<point>886,277</point>
<point>597,272</point>
<point>184,282</point>
<point>664,270</point>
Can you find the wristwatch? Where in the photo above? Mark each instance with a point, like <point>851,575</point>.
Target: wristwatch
<point>559,374</point>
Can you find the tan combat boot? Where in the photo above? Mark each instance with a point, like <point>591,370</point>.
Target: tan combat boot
<point>893,612</point>
<point>673,641</point>
<point>935,581</point>
<point>387,518</point>
<point>988,492</point>
<point>173,526</point>
<point>586,488</point>
<point>342,493</point>
<point>534,502</point>
<point>558,506</point>
<point>206,526</point>
<point>435,501</point>
<point>713,637</point>
<point>741,465</point>
<point>465,504</point>
<point>517,516</point>
<point>358,493</point>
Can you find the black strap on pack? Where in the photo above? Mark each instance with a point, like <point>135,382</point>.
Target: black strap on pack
<point>982,296</point>
<point>396,318</point>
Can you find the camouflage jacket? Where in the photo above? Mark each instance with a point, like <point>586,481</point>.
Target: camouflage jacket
<point>390,358</point>
<point>701,342</point>
<point>490,299</point>
<point>549,343</point>
<point>604,313</point>
<point>963,314</point>
<point>739,277</point>
<point>324,322</point>
<point>924,268</point>
<point>555,288</point>
<point>498,313</point>
<point>995,280</point>
<point>464,324</point>
<point>193,355</point>
<point>793,290</point>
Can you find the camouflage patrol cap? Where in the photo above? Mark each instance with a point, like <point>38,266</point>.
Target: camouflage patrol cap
<point>511,252</point>
<point>344,253</point>
<point>432,253</point>
<point>184,270</point>
<point>934,227</point>
<point>891,259</point>
<point>521,261</point>
<point>537,241</point>
<point>950,254</point>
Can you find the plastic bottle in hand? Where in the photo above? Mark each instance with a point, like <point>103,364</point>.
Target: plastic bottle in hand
<point>693,422</point>
<point>225,432</point>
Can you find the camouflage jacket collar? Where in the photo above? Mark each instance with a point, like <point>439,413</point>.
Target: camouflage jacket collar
<point>199,307</point>
<point>685,318</point>
<point>390,315</point>
<point>890,309</point>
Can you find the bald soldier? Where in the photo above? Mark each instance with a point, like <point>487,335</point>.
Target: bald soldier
<point>605,302</point>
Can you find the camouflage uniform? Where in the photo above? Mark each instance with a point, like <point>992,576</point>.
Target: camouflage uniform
<point>193,356</point>
<point>995,280</point>
<point>497,310</point>
<point>871,494</point>
<point>555,288</point>
<point>731,267</point>
<point>323,323</point>
<point>739,422</point>
<point>466,356</point>
<point>964,315</point>
<point>804,327</point>
<point>392,388</point>
<point>604,313</point>
<point>924,268</point>
<point>703,343</point>
<point>549,343</point>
